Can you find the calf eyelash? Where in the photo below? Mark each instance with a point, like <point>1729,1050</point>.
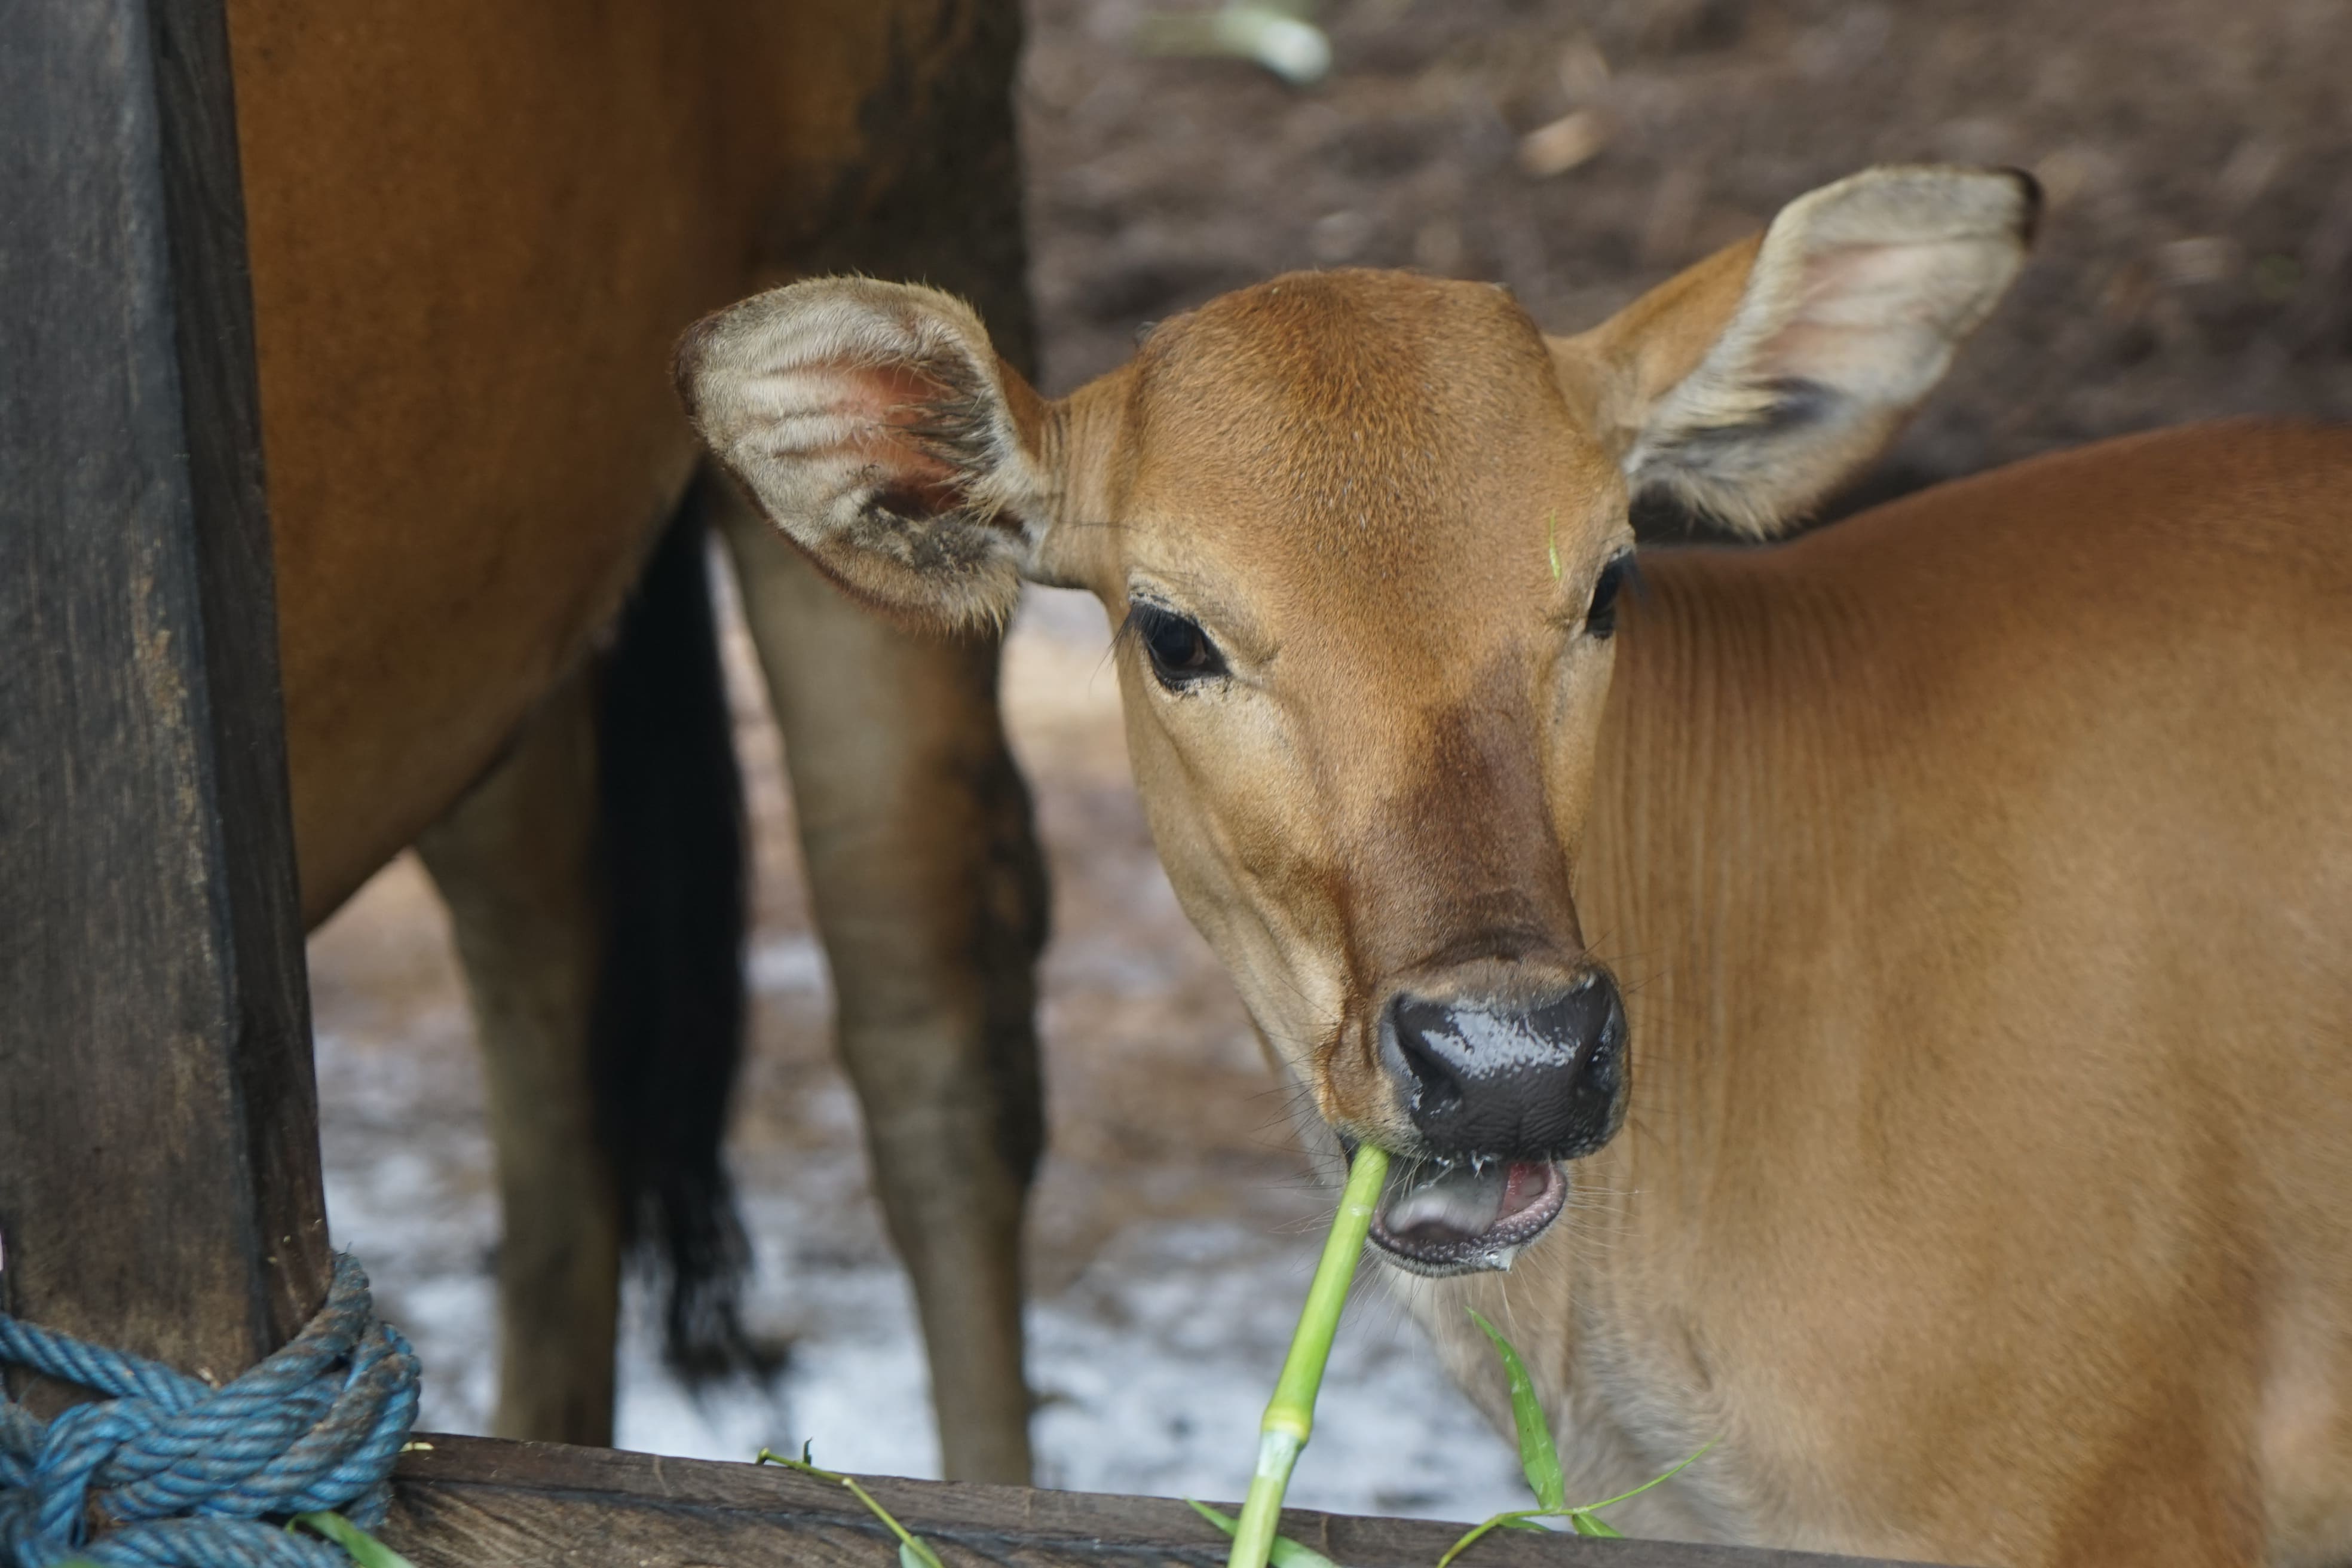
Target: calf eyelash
<point>1621,574</point>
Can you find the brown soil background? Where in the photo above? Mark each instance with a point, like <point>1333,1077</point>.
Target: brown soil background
<point>2195,257</point>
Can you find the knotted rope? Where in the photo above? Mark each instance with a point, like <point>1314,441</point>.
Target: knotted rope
<point>168,1472</point>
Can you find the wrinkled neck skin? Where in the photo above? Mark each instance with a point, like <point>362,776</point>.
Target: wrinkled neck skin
<point>1727,695</point>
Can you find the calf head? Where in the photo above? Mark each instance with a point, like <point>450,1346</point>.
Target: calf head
<point>1365,536</point>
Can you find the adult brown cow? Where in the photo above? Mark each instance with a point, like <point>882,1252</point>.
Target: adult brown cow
<point>1983,865</point>
<point>476,229</point>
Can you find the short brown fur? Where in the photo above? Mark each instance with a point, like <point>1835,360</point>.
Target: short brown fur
<point>1977,869</point>
<point>476,227</point>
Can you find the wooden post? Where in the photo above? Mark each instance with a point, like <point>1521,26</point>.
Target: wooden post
<point>158,1156</point>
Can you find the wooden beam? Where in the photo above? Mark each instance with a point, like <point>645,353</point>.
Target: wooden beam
<point>158,1160</point>
<point>468,1502</point>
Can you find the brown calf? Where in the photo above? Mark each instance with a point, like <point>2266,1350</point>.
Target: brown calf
<point>1951,906</point>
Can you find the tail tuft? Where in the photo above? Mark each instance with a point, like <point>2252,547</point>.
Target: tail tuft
<point>667,1035</point>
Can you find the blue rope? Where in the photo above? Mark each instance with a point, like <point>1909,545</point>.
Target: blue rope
<point>168,1472</point>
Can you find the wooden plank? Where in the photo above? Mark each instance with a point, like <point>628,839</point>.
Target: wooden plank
<point>159,1176</point>
<point>471,1501</point>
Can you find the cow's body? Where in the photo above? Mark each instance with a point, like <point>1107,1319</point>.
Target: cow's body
<point>1980,873</point>
<point>1883,999</point>
<point>475,228</point>
<point>476,231</point>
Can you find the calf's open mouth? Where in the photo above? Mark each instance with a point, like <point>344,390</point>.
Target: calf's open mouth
<point>1454,1216</point>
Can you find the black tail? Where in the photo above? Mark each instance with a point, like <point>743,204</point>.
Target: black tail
<point>668,1031</point>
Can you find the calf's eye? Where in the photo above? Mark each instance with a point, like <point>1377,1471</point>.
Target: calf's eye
<point>1181,654</point>
<point>1601,619</point>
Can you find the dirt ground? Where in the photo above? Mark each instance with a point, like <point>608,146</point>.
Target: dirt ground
<point>2196,261</point>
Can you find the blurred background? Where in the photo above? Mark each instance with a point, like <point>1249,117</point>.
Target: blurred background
<point>2195,261</point>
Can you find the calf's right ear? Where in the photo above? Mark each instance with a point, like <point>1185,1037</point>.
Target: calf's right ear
<point>877,427</point>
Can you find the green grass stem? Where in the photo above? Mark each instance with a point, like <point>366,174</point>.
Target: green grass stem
<point>913,1551</point>
<point>1290,1413</point>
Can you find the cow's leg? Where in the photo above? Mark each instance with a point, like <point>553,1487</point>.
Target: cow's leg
<point>516,861</point>
<point>930,896</point>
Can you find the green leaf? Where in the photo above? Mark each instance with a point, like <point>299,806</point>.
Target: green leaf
<point>1286,1552</point>
<point>1217,1517</point>
<point>1538,1457</point>
<point>1500,1522</point>
<point>1551,548</point>
<point>1581,1518</point>
<point>1655,1481</point>
<point>365,1550</point>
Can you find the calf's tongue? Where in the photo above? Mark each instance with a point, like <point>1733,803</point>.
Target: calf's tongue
<point>1447,1203</point>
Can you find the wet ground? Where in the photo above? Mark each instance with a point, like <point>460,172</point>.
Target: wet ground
<point>2196,261</point>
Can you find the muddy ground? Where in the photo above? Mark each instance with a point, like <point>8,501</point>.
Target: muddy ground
<point>2196,261</point>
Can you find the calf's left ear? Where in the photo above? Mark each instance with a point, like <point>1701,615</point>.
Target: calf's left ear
<point>877,427</point>
<point>1751,384</point>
